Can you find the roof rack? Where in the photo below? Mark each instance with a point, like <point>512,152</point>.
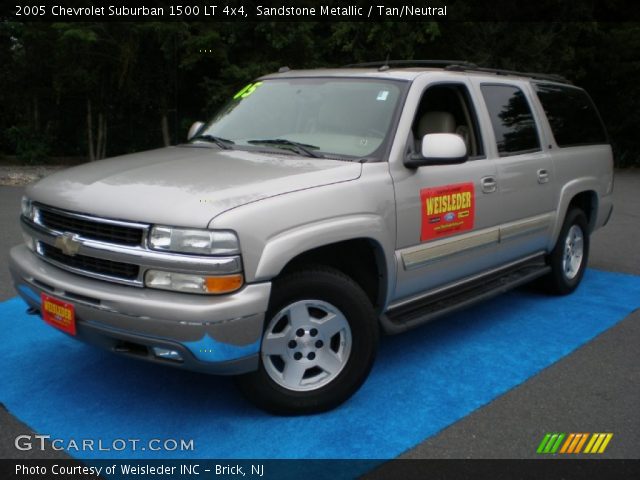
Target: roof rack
<point>410,63</point>
<point>457,66</point>
<point>537,76</point>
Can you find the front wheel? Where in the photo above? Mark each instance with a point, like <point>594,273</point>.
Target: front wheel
<point>318,346</point>
<point>568,259</point>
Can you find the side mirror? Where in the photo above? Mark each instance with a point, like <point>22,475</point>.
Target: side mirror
<point>439,149</point>
<point>194,129</point>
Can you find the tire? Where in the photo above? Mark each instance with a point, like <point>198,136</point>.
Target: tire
<point>568,259</point>
<point>319,343</point>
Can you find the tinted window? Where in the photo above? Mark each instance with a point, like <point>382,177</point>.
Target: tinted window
<point>571,114</point>
<point>512,120</point>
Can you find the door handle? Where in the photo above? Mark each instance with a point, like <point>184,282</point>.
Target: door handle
<point>489,184</point>
<point>543,175</point>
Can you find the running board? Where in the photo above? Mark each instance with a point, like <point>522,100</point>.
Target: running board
<point>420,312</point>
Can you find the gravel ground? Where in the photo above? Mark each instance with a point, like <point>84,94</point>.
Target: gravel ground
<point>19,175</point>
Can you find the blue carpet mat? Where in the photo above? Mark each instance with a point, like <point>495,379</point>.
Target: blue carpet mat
<point>422,382</point>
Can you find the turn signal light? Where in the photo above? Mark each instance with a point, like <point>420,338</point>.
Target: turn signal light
<point>223,284</point>
<point>193,283</point>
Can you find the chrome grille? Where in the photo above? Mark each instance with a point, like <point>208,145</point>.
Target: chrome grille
<point>105,232</point>
<point>100,266</point>
<point>110,250</point>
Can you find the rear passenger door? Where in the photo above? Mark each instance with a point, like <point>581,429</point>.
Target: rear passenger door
<point>525,171</point>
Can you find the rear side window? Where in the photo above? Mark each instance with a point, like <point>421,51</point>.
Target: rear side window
<point>571,114</point>
<point>512,120</point>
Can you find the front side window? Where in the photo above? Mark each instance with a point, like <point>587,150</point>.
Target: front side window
<point>329,116</point>
<point>447,108</point>
<point>572,116</point>
<point>512,120</point>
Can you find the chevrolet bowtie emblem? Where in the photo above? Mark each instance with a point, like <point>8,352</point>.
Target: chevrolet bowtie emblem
<point>68,243</point>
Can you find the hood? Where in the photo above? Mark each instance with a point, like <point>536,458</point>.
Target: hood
<point>185,185</point>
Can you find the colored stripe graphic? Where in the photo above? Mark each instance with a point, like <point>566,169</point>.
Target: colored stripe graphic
<point>576,439</point>
<point>573,443</point>
<point>581,443</point>
<point>543,443</point>
<point>567,443</point>
<point>556,445</point>
<point>598,442</point>
<point>591,442</point>
<point>551,442</point>
<point>605,443</point>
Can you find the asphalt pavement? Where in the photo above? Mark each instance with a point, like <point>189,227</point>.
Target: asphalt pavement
<point>595,389</point>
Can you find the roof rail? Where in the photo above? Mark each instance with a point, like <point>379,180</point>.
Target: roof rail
<point>410,63</point>
<point>537,76</point>
<point>457,66</point>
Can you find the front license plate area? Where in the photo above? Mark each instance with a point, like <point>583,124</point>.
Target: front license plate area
<point>58,314</point>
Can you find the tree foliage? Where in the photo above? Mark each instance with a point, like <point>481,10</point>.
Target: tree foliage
<point>101,89</point>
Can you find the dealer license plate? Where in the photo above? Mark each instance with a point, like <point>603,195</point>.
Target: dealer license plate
<point>58,314</point>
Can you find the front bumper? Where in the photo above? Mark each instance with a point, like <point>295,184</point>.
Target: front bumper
<point>219,335</point>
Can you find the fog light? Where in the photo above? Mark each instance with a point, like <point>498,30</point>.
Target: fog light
<point>190,283</point>
<point>166,354</point>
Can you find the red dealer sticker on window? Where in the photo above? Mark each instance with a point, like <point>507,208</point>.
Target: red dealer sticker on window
<point>446,210</point>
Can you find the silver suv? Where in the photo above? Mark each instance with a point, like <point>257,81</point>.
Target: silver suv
<point>315,210</point>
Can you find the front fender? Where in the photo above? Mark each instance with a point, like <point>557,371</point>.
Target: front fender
<point>273,231</point>
<point>282,248</point>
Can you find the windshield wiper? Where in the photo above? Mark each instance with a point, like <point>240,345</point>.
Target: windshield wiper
<point>223,143</point>
<point>299,147</point>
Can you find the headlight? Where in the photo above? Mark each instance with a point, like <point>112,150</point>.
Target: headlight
<point>190,283</point>
<point>27,208</point>
<point>187,240</point>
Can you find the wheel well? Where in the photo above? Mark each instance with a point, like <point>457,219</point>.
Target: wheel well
<point>588,203</point>
<point>361,259</point>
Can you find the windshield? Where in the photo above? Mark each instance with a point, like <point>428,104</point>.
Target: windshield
<point>323,116</point>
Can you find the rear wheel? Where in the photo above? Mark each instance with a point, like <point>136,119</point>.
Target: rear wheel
<point>318,346</point>
<point>568,260</point>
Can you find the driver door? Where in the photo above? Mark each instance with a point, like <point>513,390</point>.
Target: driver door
<point>447,215</point>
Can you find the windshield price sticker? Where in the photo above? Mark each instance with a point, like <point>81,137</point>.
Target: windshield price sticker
<point>382,95</point>
<point>446,210</point>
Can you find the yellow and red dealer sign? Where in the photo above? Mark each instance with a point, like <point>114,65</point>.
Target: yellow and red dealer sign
<point>446,210</point>
<point>58,313</point>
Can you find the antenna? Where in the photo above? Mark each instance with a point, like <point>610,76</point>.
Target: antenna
<point>386,64</point>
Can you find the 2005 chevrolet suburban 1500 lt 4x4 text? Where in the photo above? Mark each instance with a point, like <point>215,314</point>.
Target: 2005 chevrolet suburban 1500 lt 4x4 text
<point>316,209</point>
